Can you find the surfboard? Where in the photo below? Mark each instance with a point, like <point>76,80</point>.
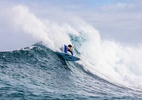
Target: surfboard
<point>67,57</point>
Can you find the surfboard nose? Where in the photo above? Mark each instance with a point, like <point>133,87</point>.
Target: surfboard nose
<point>77,58</point>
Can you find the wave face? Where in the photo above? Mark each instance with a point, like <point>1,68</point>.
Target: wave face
<point>38,73</point>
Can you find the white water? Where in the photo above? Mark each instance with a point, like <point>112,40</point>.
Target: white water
<point>110,60</point>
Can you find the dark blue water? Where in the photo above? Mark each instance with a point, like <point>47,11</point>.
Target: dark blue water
<point>37,73</point>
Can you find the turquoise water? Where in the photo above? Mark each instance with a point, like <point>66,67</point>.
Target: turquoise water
<point>37,73</point>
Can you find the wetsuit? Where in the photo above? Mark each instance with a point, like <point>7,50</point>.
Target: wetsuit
<point>66,50</point>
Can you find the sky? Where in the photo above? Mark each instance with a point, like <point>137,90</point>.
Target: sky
<point>117,20</point>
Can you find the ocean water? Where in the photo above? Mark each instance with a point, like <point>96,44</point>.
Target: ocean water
<point>37,73</point>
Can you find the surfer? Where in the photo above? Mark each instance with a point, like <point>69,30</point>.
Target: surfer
<point>64,54</point>
<point>68,49</point>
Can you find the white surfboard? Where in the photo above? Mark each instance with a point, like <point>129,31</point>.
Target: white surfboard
<point>67,57</point>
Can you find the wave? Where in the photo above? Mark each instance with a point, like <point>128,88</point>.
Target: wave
<point>37,71</point>
<point>111,61</point>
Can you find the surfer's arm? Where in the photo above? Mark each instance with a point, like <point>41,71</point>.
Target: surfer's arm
<point>71,52</point>
<point>65,49</point>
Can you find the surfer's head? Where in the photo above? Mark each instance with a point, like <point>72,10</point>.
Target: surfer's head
<point>69,47</point>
